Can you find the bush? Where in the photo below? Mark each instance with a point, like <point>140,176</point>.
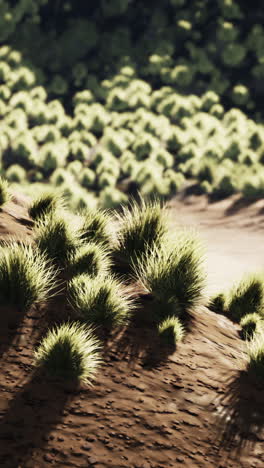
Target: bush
<point>16,174</point>
<point>100,301</point>
<point>71,352</point>
<point>172,272</point>
<point>141,227</point>
<point>91,259</point>
<point>4,192</point>
<point>26,277</point>
<point>57,238</point>
<point>87,178</point>
<point>46,204</point>
<point>250,325</point>
<point>171,330</point>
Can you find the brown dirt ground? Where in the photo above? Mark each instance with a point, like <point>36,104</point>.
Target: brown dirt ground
<point>150,407</point>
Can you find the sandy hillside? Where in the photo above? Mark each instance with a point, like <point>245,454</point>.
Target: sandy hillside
<point>150,407</point>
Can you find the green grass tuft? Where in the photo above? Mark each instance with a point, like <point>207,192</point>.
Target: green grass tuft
<point>171,330</point>
<point>96,227</point>
<point>218,304</point>
<point>92,259</point>
<point>141,227</point>
<point>250,325</point>
<point>71,352</point>
<point>100,301</point>
<point>46,204</point>
<point>247,297</point>
<point>57,237</point>
<point>26,278</point>
<point>4,192</point>
<point>255,351</point>
<point>173,273</point>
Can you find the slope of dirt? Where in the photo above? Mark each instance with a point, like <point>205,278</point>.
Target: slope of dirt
<point>151,407</point>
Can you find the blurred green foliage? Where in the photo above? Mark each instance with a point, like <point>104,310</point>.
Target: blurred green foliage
<point>106,99</point>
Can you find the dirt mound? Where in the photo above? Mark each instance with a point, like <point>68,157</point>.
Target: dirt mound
<point>150,406</point>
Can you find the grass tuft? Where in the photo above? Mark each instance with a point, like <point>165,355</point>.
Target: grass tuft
<point>92,259</point>
<point>255,351</point>
<point>247,297</point>
<point>26,278</point>
<point>141,227</point>
<point>173,273</point>
<point>4,192</point>
<point>250,325</point>
<point>57,238</point>
<point>71,352</point>
<point>218,304</point>
<point>96,227</point>
<point>46,204</point>
<point>100,301</point>
<point>171,330</point>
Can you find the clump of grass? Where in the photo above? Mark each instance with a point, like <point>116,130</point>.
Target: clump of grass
<point>71,352</point>
<point>218,304</point>
<point>255,351</point>
<point>141,227</point>
<point>171,330</point>
<point>92,259</point>
<point>173,273</point>
<point>26,277</point>
<point>57,237</point>
<point>46,204</point>
<point>250,325</point>
<point>246,297</point>
<point>96,227</point>
<point>4,192</point>
<point>100,301</point>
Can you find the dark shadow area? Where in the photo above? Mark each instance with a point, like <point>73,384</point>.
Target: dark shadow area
<point>239,205</point>
<point>19,328</point>
<point>31,417</point>
<point>241,415</point>
<point>140,341</point>
<point>138,344</point>
<point>11,328</point>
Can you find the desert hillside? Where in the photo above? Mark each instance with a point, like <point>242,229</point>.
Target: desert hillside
<point>150,406</point>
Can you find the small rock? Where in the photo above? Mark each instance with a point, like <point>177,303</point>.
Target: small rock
<point>86,447</point>
<point>48,458</point>
<point>92,461</point>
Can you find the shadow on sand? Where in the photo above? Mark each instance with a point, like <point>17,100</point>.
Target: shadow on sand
<point>241,411</point>
<point>31,417</point>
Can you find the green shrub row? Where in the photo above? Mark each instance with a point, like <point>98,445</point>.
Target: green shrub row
<point>102,151</point>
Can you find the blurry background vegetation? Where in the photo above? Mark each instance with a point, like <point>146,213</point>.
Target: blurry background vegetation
<point>104,99</point>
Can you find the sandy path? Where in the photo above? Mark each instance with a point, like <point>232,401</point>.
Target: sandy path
<point>234,241</point>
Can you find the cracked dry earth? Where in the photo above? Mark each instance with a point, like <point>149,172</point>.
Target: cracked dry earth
<point>150,407</point>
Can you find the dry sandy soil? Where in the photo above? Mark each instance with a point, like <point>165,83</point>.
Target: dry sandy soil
<point>150,407</point>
